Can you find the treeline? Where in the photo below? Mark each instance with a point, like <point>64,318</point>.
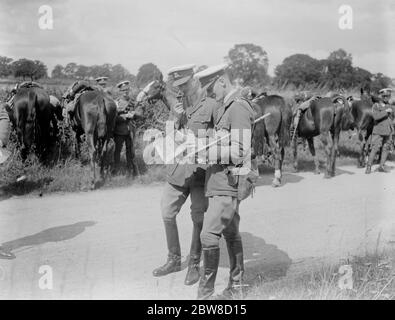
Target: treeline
<point>248,66</point>
<point>335,72</point>
<point>22,68</point>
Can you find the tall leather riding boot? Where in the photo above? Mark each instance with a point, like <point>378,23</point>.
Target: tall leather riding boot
<point>384,155</point>
<point>236,261</point>
<point>210,265</point>
<point>173,263</point>
<point>193,273</point>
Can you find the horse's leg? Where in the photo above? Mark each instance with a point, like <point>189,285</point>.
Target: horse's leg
<point>335,139</point>
<point>328,147</point>
<point>133,157</point>
<point>274,145</point>
<point>92,155</point>
<point>295,155</point>
<point>310,142</point>
<point>77,144</point>
<point>366,146</point>
<point>362,142</point>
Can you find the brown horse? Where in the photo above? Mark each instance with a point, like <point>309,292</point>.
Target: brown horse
<point>273,131</point>
<point>34,120</point>
<point>94,116</point>
<point>362,120</point>
<point>324,119</point>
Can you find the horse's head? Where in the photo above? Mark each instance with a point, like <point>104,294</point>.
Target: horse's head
<point>152,91</point>
<point>343,104</point>
<point>159,90</point>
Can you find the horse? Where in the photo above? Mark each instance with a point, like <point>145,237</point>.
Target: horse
<point>34,120</point>
<point>324,119</point>
<point>361,120</point>
<point>95,115</point>
<point>273,132</point>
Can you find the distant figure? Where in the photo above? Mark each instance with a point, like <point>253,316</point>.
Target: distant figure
<point>124,129</point>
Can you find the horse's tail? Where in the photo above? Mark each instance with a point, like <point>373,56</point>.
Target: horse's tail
<point>286,118</point>
<point>102,118</point>
<point>31,114</point>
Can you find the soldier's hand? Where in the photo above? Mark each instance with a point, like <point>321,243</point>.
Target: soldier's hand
<point>389,110</point>
<point>179,109</point>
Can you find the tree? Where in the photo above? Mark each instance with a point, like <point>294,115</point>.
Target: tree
<point>29,68</point>
<point>57,72</point>
<point>70,69</point>
<point>5,66</point>
<point>339,70</point>
<point>361,78</point>
<point>299,69</point>
<point>380,81</point>
<point>119,73</point>
<point>248,63</point>
<point>147,73</point>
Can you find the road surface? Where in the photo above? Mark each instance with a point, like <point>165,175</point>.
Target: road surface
<point>105,244</point>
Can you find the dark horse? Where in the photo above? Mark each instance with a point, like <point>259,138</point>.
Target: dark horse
<point>324,119</point>
<point>94,116</point>
<point>362,120</point>
<point>34,120</point>
<point>273,131</point>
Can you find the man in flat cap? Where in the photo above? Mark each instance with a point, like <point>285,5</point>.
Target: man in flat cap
<point>185,180</point>
<point>224,179</point>
<point>124,132</point>
<point>382,130</point>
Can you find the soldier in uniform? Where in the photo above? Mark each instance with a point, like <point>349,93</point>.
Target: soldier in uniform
<point>5,129</point>
<point>124,129</point>
<point>102,85</point>
<point>223,185</point>
<point>382,130</point>
<point>185,180</point>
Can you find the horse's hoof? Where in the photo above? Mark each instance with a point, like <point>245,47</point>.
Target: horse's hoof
<point>317,171</point>
<point>327,175</point>
<point>276,183</point>
<point>294,170</point>
<point>361,165</point>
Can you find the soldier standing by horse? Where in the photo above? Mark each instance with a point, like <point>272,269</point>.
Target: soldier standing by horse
<point>382,130</point>
<point>124,132</point>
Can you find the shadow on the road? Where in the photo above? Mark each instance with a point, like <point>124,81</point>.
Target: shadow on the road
<point>339,172</point>
<point>266,180</point>
<point>55,234</point>
<point>262,261</point>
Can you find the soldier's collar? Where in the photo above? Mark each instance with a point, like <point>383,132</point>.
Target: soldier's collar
<point>229,98</point>
<point>198,104</point>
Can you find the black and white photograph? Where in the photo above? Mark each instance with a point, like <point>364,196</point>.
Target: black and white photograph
<point>216,151</point>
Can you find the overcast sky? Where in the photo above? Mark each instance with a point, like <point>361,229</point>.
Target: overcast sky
<point>174,32</point>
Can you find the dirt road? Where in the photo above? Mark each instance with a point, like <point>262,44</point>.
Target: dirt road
<point>105,244</point>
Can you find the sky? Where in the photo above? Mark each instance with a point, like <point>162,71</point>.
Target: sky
<point>175,32</point>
